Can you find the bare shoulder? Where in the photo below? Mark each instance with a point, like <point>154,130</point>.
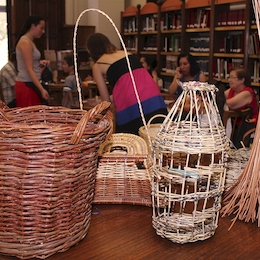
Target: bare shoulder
<point>24,44</point>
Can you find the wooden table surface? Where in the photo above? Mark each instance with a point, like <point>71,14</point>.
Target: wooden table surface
<point>126,232</point>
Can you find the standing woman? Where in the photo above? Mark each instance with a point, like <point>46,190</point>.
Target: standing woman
<point>28,88</point>
<point>188,70</point>
<point>112,64</point>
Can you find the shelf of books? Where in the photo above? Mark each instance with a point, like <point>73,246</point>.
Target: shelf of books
<point>130,28</point>
<point>229,29</point>
<point>149,29</point>
<point>171,27</point>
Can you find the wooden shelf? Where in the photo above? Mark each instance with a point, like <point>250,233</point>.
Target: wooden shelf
<point>229,28</point>
<point>171,5</point>
<point>130,11</point>
<point>228,55</point>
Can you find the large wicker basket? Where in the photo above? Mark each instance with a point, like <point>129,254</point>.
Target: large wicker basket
<point>48,161</point>
<point>123,174</point>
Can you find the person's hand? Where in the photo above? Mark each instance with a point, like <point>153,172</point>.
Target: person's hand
<point>88,78</point>
<point>178,73</point>
<point>45,94</point>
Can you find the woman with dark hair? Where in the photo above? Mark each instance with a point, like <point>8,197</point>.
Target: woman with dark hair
<point>188,70</point>
<point>111,63</point>
<point>28,88</point>
<point>150,64</point>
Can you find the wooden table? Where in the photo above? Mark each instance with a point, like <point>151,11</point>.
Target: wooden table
<point>56,92</point>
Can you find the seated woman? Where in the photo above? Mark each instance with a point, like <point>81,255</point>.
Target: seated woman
<point>188,70</point>
<point>240,96</point>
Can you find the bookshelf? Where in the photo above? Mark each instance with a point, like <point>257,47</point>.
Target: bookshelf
<point>219,33</point>
<point>171,27</point>
<point>197,31</point>
<point>149,29</point>
<point>130,28</point>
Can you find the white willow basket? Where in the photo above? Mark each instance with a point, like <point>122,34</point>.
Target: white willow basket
<point>189,167</point>
<point>237,162</point>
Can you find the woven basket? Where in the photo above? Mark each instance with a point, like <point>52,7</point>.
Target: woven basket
<point>189,168</point>
<point>152,131</point>
<point>48,162</point>
<point>238,160</point>
<point>123,174</point>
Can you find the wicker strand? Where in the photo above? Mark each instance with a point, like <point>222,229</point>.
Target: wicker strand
<point>85,119</point>
<point>2,113</point>
<point>242,197</point>
<point>127,59</point>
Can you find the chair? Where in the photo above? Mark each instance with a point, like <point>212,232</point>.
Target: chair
<point>248,137</point>
<point>238,130</point>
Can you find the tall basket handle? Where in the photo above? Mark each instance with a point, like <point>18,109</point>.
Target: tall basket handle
<point>152,118</point>
<point>92,113</point>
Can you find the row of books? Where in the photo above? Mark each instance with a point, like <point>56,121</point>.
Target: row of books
<point>131,25</point>
<point>255,77</point>
<point>204,65</point>
<point>131,43</point>
<point>221,67</point>
<point>254,48</point>
<point>150,23</point>
<point>150,43</point>
<point>231,17</point>
<point>233,43</point>
<point>198,18</point>
<point>199,43</point>
<point>171,21</point>
<point>169,64</point>
<point>172,43</point>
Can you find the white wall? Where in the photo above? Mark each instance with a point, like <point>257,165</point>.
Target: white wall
<point>112,8</point>
<point>135,2</point>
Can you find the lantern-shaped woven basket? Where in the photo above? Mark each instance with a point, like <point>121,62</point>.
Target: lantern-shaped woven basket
<point>123,174</point>
<point>189,167</point>
<point>48,162</point>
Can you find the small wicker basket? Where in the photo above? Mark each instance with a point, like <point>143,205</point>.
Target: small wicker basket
<point>48,162</point>
<point>152,131</point>
<point>123,174</point>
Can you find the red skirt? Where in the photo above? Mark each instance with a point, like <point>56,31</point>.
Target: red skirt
<point>26,96</point>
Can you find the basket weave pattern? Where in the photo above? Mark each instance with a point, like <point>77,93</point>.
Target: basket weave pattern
<point>189,170</point>
<point>123,174</point>
<point>48,159</point>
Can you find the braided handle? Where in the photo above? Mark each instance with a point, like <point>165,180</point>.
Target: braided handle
<point>91,114</point>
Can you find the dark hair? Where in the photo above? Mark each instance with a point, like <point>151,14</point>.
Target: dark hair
<point>33,19</point>
<point>194,66</point>
<point>242,73</point>
<point>69,59</point>
<point>12,56</point>
<point>151,62</point>
<point>98,44</point>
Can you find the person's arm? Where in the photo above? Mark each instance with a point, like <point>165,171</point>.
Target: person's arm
<point>101,84</point>
<point>26,49</point>
<point>241,99</point>
<point>155,76</point>
<point>65,98</point>
<point>175,83</point>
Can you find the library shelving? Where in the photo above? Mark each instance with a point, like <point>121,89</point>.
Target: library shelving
<point>219,33</point>
<point>171,27</point>
<point>130,27</point>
